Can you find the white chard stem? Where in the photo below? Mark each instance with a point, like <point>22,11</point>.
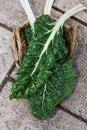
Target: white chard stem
<point>26,6</point>
<point>48,6</point>
<point>59,23</point>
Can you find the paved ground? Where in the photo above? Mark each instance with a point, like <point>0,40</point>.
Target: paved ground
<point>71,114</point>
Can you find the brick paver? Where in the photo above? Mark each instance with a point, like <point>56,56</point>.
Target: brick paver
<point>6,58</point>
<point>67,4</point>
<point>13,13</point>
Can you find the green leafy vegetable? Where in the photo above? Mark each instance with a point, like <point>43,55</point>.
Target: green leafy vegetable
<point>46,75</point>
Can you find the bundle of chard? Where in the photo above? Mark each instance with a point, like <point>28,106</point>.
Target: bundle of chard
<point>45,46</point>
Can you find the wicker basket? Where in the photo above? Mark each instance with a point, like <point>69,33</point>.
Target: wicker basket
<point>20,46</point>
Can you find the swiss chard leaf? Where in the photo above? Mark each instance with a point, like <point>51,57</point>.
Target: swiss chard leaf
<point>46,75</point>
<point>57,87</point>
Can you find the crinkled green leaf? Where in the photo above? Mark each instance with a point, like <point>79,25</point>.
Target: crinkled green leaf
<point>46,75</point>
<point>54,76</point>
